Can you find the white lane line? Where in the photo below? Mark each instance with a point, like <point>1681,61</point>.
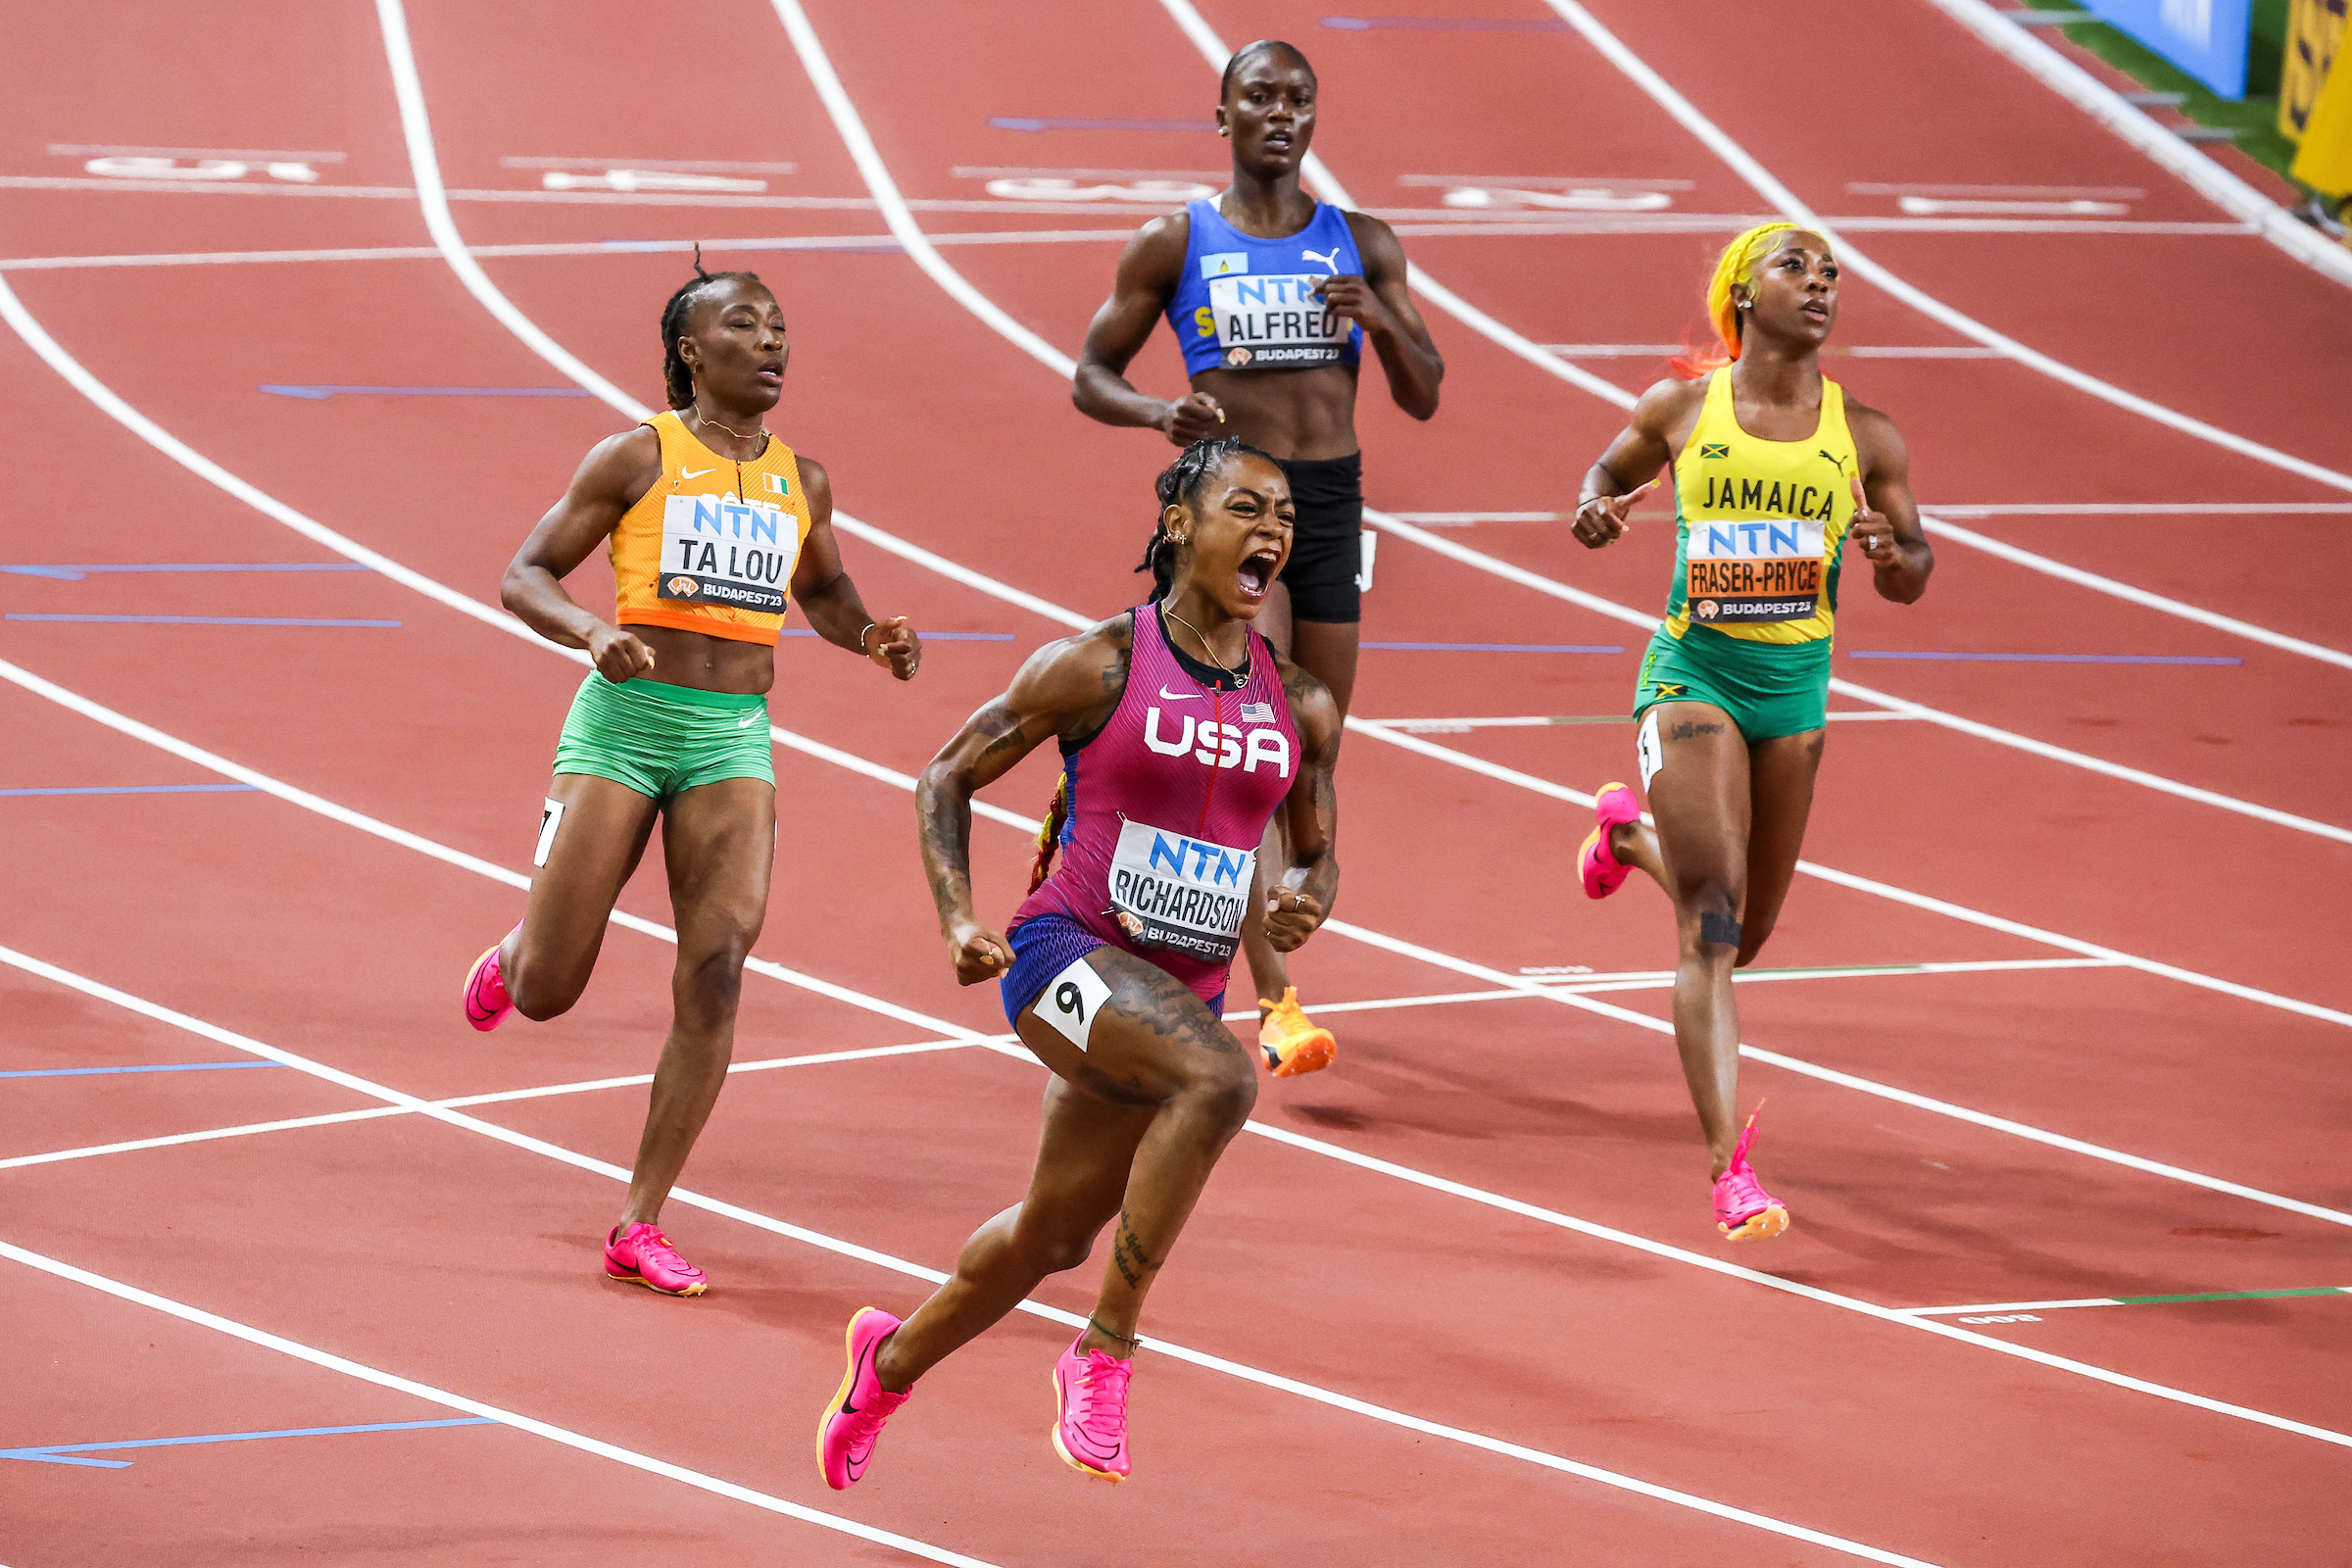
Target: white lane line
<point>1315,1145</point>
<point>1062,364</point>
<point>2163,147</point>
<point>1784,201</point>
<point>634,247</point>
<point>472,1407</point>
<point>1499,567</point>
<point>1642,980</point>
<point>1967,1312</point>
<point>2138,595</point>
<point>866,1255</point>
<point>32,333</point>
<point>1566,996</point>
<point>1463,726</point>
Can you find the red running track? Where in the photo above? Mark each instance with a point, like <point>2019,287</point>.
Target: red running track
<point>438,1254</point>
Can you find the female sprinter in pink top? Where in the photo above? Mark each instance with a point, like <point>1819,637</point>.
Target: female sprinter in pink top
<point>1182,733</point>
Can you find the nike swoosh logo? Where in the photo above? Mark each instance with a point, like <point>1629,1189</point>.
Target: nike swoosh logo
<point>1177,697</point>
<point>695,473</point>
<point>747,723</point>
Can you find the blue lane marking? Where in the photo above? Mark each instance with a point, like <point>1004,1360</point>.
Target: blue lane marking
<point>59,1453</point>
<point>76,573</point>
<point>2049,659</point>
<point>169,1066</point>
<point>928,636</point>
<point>1444,24</point>
<point>322,393</point>
<point>1500,647</point>
<point>205,620</point>
<point>138,789</point>
<point>1053,122</point>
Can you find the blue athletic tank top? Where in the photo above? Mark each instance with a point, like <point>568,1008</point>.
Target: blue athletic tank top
<point>1247,304</point>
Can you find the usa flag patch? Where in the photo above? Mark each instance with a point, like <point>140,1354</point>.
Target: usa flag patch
<point>1257,713</point>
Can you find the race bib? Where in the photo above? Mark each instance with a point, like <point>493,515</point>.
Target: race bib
<point>1278,322</point>
<point>1749,573</point>
<point>1180,894</point>
<point>718,549</point>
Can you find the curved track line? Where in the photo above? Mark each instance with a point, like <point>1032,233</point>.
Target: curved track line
<point>1328,185</point>
<point>1902,704</point>
<point>1553,1218</point>
<point>2139,596</point>
<point>1565,995</point>
<point>503,1417</point>
<point>1785,201</point>
<point>900,1265</point>
<point>902,221</point>
<point>2163,147</point>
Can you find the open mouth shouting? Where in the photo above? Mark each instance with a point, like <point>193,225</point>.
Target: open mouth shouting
<point>1257,574</point>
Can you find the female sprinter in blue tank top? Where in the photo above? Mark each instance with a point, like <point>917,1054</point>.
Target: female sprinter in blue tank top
<point>1182,733</point>
<point>1774,470</point>
<point>1271,296</point>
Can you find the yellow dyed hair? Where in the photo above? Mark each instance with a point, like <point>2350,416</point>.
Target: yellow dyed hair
<point>1737,264</point>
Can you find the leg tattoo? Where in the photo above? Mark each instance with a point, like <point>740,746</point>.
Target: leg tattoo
<point>1127,1252</point>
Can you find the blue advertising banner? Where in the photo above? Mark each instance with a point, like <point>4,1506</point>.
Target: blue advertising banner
<point>2207,38</point>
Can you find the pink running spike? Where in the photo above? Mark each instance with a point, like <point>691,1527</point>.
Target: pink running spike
<point>1602,871</point>
<point>486,1001</point>
<point>852,1424</point>
<point>640,1254</point>
<point>1743,1209</point>
<point>1090,1416</point>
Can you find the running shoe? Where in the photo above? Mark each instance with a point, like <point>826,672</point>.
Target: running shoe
<point>1742,1208</point>
<point>486,1001</point>
<point>1089,1413</point>
<point>640,1254</point>
<point>1602,871</point>
<point>852,1424</point>
<point>1293,1043</point>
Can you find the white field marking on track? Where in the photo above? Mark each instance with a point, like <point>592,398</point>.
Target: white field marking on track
<point>1198,29</point>
<point>1785,201</point>
<point>110,402</point>
<point>1496,567</point>
<point>1788,206</point>
<point>467,1101</point>
<point>2139,596</point>
<point>902,223</point>
<point>2085,1301</point>
<point>900,1265</point>
<point>1315,1145</point>
<point>1637,980</point>
<point>472,1407</point>
<point>2162,145</point>
<point>1443,726</point>
<point>79,377</point>
<point>630,247</point>
<point>1565,995</point>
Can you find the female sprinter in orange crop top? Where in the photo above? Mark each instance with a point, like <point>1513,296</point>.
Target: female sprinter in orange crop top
<point>711,522</point>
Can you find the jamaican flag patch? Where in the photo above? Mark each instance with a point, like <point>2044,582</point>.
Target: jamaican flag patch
<point>1714,449</point>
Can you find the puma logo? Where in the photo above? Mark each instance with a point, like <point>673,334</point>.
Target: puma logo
<point>1331,262</point>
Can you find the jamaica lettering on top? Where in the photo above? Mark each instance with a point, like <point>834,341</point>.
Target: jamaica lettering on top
<point>1774,496</point>
<point>1760,523</point>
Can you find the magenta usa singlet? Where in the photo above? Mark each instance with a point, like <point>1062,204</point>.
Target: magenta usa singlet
<point>1168,806</point>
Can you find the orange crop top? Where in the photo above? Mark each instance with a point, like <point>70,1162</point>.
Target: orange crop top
<point>711,546</point>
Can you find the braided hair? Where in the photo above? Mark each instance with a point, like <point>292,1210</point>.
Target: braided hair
<point>1179,484</point>
<point>677,380</point>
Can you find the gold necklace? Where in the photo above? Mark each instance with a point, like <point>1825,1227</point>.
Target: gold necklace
<point>1229,674</point>
<point>704,418</point>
